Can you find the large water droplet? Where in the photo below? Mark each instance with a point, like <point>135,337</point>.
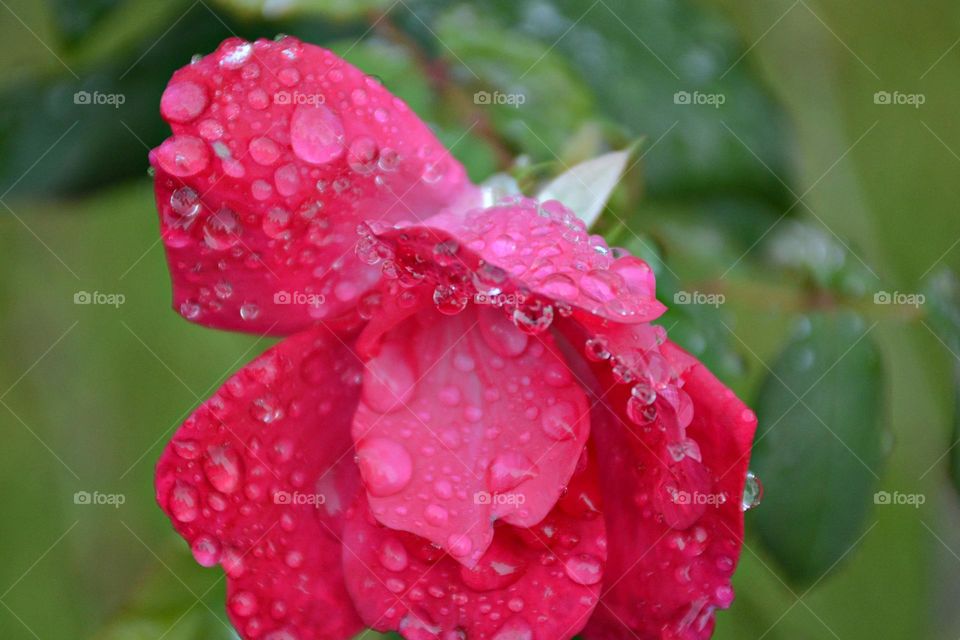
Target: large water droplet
<point>508,470</point>
<point>183,101</point>
<point>221,231</point>
<point>584,569</point>
<point>385,465</point>
<point>206,551</point>
<point>183,155</point>
<point>223,468</point>
<point>316,134</point>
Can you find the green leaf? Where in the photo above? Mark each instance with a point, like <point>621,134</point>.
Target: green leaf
<point>530,95</point>
<point>586,187</point>
<point>819,445</point>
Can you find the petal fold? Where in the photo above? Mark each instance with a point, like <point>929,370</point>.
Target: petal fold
<point>258,480</point>
<point>465,420</point>
<point>532,583</point>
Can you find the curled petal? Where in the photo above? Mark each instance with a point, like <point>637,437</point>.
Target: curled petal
<point>675,444</point>
<point>279,150</point>
<point>537,582</point>
<point>465,420</point>
<point>258,480</point>
<point>521,251</point>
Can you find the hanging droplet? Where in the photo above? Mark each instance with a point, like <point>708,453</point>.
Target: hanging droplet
<point>752,492</point>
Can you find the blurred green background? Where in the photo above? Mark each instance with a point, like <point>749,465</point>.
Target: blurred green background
<point>797,179</point>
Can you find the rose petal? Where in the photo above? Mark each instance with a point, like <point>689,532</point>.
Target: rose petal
<point>279,150</point>
<point>258,480</point>
<point>465,420</point>
<point>672,486</point>
<point>539,582</point>
<point>523,249</point>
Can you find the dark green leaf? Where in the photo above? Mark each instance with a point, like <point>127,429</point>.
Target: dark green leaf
<point>818,447</point>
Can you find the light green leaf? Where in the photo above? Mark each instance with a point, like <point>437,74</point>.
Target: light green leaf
<point>586,187</point>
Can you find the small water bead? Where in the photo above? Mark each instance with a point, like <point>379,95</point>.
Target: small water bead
<point>258,99</point>
<point>560,420</point>
<point>183,155</point>
<point>190,309</point>
<point>533,318</point>
<point>206,551</point>
<point>288,76</point>
<point>287,179</point>
<point>244,604</point>
<point>235,55</point>
<point>249,311</point>
<point>264,151</point>
<point>221,231</point>
<point>640,413</point>
<point>266,409</point>
<point>560,286</point>
<point>183,101</point>
<point>389,159</point>
<point>449,300</point>
<point>752,492</point>
<point>276,222</point>
<point>184,502</point>
<point>596,349</point>
<point>644,393</point>
<point>393,555</point>
<point>185,203</point>
<point>362,155</point>
<point>223,468</point>
<point>508,470</point>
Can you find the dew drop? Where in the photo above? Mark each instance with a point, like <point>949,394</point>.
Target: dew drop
<point>316,134</point>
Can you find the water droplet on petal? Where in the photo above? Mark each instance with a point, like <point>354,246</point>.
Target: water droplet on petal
<point>206,551</point>
<point>183,155</point>
<point>584,569</point>
<point>316,134</point>
<point>221,230</point>
<point>385,465</point>
<point>183,101</point>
